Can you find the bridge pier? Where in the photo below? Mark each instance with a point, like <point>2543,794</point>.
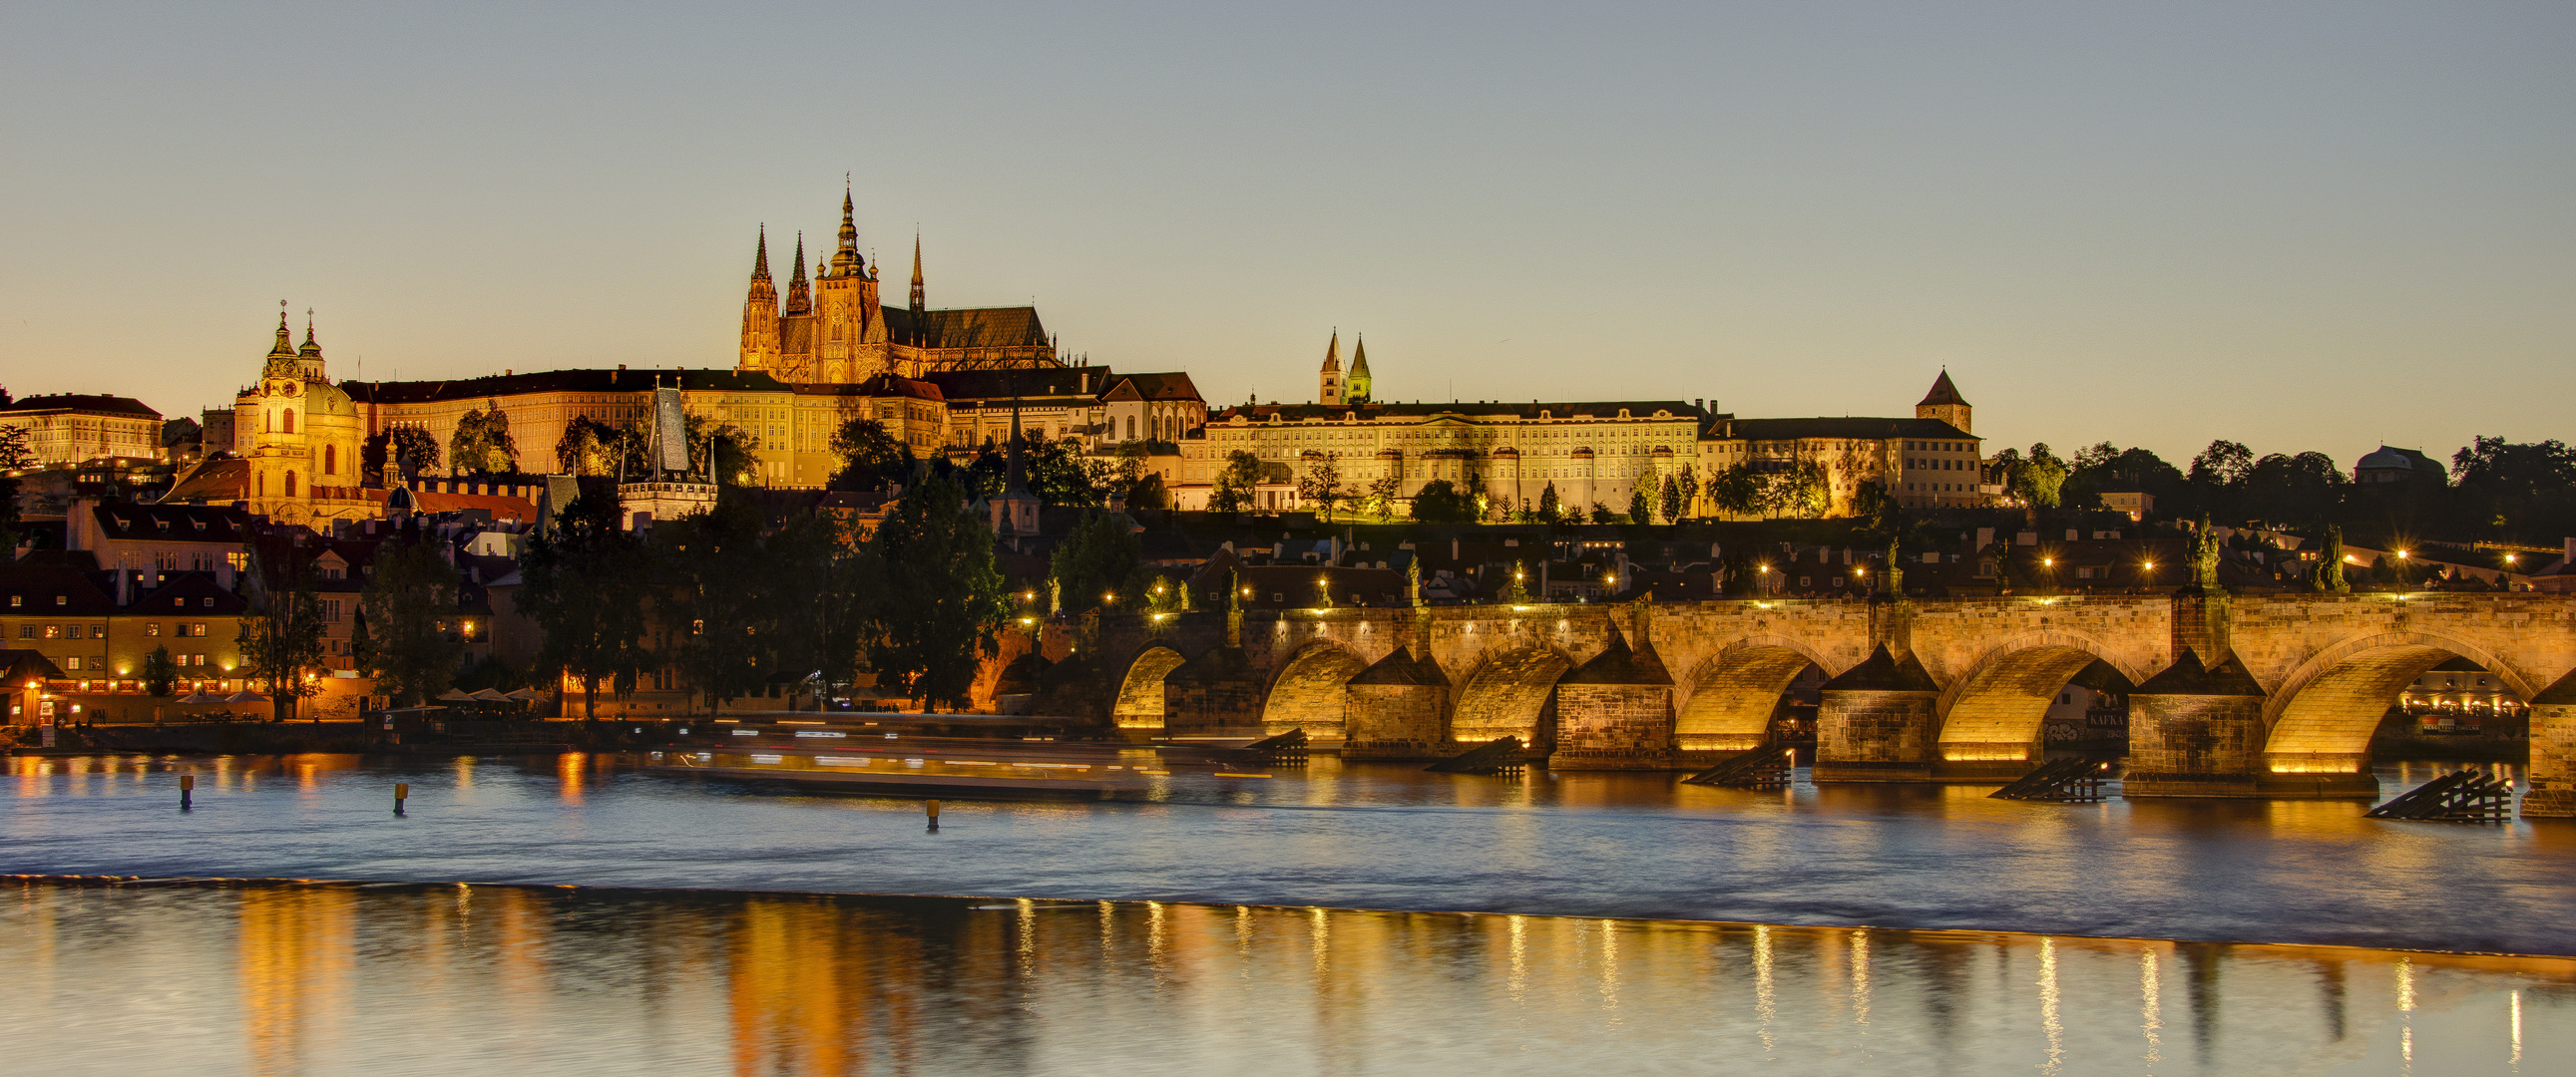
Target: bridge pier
<point>1615,712</point>
<point>1217,694</point>
<point>1393,710</point>
<point>2553,752</point>
<point>2196,731</point>
<point>1875,723</point>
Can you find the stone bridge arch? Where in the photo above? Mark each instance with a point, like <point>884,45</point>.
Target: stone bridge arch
<point>1732,694</point>
<point>1139,702</point>
<point>2321,718</point>
<point>1511,693</point>
<point>1307,691</point>
<point>1993,711</point>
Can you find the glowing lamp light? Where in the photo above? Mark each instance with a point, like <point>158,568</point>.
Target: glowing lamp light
<point>1028,620</point>
<point>2048,562</point>
<point>2148,565</point>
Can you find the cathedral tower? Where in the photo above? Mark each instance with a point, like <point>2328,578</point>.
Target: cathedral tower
<point>1329,381</point>
<point>760,313</point>
<point>800,297</point>
<point>846,313</point>
<point>1944,403</point>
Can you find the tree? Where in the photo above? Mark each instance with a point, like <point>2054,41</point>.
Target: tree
<point>583,583</point>
<point>281,637</point>
<point>1797,491</point>
<point>1322,486</point>
<point>1689,480</point>
<point>1547,503</point>
<point>2038,479</point>
<point>735,461</point>
<point>1234,482</point>
<point>481,444</point>
<point>830,603</point>
<point>1736,491</point>
<point>592,447</point>
<point>160,672</point>
<point>943,596</point>
<point>1060,475</point>
<point>1641,509</point>
<point>871,458</point>
<point>1672,503</point>
<point>409,446</point>
<point>2524,491</point>
<point>1095,559</point>
<point>1381,496</point>
<point>2305,490</point>
<point>719,589</point>
<point>14,458</point>
<point>2222,464</point>
<point>1439,502</point>
<point>411,611</point>
<point>1601,514</point>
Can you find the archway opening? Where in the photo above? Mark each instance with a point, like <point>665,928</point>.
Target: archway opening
<point>1510,696</point>
<point>1746,697</point>
<point>2418,698</point>
<point>1140,692</point>
<point>2090,714</point>
<point>1997,712</point>
<point>1308,694</point>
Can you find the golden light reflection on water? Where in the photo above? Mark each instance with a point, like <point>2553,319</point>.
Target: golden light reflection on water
<point>477,979</point>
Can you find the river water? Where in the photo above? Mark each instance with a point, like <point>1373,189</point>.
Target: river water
<point>1893,963</point>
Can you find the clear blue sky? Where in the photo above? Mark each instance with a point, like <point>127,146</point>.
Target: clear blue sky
<point>2304,226</point>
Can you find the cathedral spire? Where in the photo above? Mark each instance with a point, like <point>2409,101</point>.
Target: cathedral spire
<point>760,259</point>
<point>919,302</point>
<point>310,350</point>
<point>1356,388</point>
<point>1329,380</point>
<point>800,296</point>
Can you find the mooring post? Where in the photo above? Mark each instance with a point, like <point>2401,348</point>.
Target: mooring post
<point>402,792</point>
<point>930,808</point>
<point>187,786</point>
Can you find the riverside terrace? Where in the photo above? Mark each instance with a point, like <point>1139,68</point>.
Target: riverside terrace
<point>2258,695</point>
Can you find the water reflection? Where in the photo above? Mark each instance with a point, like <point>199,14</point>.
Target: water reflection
<point>447,979</point>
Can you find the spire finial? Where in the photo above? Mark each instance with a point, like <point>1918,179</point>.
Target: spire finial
<point>760,255</point>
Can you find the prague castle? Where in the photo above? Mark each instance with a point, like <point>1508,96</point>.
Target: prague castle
<point>834,330</point>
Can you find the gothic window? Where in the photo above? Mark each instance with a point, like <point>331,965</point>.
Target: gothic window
<point>290,484</point>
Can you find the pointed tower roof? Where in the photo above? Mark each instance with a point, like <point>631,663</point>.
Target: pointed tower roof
<point>920,300</point>
<point>846,261</point>
<point>285,348</point>
<point>760,257</point>
<point>310,350</point>
<point>800,296</point>
<point>1333,353</point>
<point>1359,357</point>
<point>1942,391</point>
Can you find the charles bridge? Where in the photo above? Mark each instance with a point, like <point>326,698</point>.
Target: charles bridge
<point>2256,695</point>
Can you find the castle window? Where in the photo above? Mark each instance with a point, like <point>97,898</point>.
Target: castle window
<point>290,484</point>
<point>330,459</point>
<point>290,422</point>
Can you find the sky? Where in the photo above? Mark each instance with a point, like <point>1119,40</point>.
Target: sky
<point>2298,226</point>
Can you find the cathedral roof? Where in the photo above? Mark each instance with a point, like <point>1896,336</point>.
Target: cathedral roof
<point>972,327</point>
<point>1469,410</point>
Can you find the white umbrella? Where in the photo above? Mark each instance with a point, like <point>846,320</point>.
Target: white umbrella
<point>488,696</point>
<point>201,697</point>
<point>455,695</point>
<point>524,695</point>
<point>245,696</point>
